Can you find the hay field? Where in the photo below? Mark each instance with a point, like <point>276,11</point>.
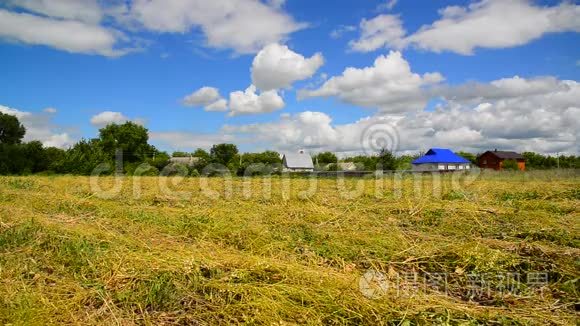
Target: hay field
<point>502,249</point>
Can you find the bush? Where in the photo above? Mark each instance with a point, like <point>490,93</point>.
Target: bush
<point>510,165</point>
<point>332,167</point>
<point>175,169</point>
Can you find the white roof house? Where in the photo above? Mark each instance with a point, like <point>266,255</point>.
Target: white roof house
<point>296,162</point>
<point>344,166</point>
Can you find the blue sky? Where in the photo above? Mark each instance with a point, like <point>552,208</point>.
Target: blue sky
<point>470,75</point>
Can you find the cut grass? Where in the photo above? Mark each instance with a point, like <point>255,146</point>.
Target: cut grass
<point>68,256</point>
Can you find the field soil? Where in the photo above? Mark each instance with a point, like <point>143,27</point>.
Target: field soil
<point>501,248</point>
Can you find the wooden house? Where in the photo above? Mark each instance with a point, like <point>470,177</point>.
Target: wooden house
<point>495,160</point>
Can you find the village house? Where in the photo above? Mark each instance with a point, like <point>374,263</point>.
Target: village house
<point>440,159</point>
<point>185,160</point>
<point>495,160</point>
<point>297,162</point>
<point>344,166</point>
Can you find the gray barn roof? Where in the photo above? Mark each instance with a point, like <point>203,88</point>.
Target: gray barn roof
<point>298,161</point>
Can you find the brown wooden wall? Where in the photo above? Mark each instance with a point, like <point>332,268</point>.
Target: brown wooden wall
<point>490,161</point>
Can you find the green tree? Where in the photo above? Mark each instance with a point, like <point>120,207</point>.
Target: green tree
<point>11,130</point>
<point>224,154</point>
<point>13,159</point>
<point>202,154</point>
<point>54,158</point>
<point>129,137</point>
<point>203,159</point>
<point>404,162</point>
<point>268,158</point>
<point>387,160</point>
<point>159,160</point>
<point>180,154</point>
<point>369,162</point>
<point>325,158</point>
<point>468,156</point>
<point>36,156</point>
<point>84,157</point>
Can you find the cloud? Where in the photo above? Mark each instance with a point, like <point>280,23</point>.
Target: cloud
<point>389,5</point>
<point>277,3</point>
<point>388,85</point>
<point>378,32</point>
<point>50,110</point>
<point>107,117</point>
<point>176,140</point>
<point>537,114</point>
<point>501,89</point>
<point>87,11</point>
<point>484,24</point>
<point>276,66</point>
<point>516,120</point>
<point>245,26</point>
<point>341,30</point>
<point>208,97</point>
<point>311,130</point>
<point>15,112</point>
<point>218,106</point>
<point>56,33</point>
<point>58,140</point>
<point>306,129</point>
<point>249,102</point>
<point>40,127</point>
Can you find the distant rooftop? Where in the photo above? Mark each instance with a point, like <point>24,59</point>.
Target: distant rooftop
<point>506,155</point>
<point>299,160</point>
<point>440,155</point>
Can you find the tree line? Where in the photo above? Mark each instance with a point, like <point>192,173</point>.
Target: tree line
<point>128,143</point>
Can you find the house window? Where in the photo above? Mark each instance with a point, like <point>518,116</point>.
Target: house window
<point>484,162</point>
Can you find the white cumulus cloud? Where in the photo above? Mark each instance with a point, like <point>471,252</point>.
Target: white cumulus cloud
<point>250,102</point>
<point>217,106</point>
<point>107,117</point>
<point>535,114</point>
<point>68,35</point>
<point>276,66</point>
<point>243,25</point>
<point>201,97</point>
<point>207,97</point>
<point>378,32</point>
<point>388,85</point>
<point>483,24</point>
<point>87,11</point>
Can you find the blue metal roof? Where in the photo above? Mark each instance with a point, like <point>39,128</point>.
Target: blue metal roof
<point>440,155</point>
